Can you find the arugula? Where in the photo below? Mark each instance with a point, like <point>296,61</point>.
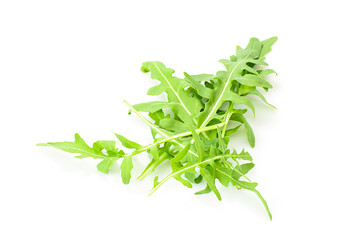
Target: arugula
<point>194,134</point>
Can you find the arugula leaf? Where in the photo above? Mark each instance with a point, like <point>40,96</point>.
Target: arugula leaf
<point>253,81</point>
<point>106,164</point>
<point>152,107</point>
<point>127,143</point>
<point>173,86</point>
<point>126,167</point>
<point>194,134</point>
<point>79,146</point>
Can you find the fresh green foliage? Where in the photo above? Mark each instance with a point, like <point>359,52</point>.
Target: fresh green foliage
<point>194,136</point>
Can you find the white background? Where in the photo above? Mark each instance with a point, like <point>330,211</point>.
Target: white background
<point>66,66</point>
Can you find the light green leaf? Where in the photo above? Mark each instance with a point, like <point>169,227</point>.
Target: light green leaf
<point>199,88</point>
<point>204,191</point>
<point>254,81</point>
<point>200,147</point>
<point>257,93</point>
<point>222,144</point>
<point>246,185</point>
<point>244,155</point>
<point>156,182</point>
<point>159,156</point>
<point>173,125</point>
<point>222,87</point>
<point>126,167</point>
<point>266,46</point>
<point>203,77</point>
<point>236,99</point>
<point>153,106</point>
<point>249,133</point>
<point>265,72</point>
<point>78,146</point>
<point>210,180</point>
<point>127,143</point>
<point>106,164</point>
<point>232,130</point>
<point>241,170</point>
<point>109,146</point>
<point>173,86</point>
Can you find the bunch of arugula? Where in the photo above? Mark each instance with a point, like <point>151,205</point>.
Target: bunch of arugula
<point>193,134</point>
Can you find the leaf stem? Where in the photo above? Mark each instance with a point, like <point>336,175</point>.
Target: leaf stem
<point>187,168</point>
<point>149,170</point>
<point>232,167</point>
<point>158,130</point>
<point>220,98</point>
<point>227,119</point>
<point>170,138</point>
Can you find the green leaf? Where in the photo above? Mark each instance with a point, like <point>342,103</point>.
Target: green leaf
<point>208,143</point>
<point>239,100</point>
<point>156,182</point>
<point>109,146</point>
<point>254,81</point>
<point>246,185</point>
<point>203,77</point>
<point>78,146</point>
<point>156,116</point>
<point>126,167</point>
<point>201,89</point>
<point>175,164</point>
<point>200,147</point>
<point>159,156</point>
<point>106,164</point>
<point>257,93</point>
<point>190,176</point>
<point>154,106</point>
<point>210,180</point>
<point>266,46</point>
<point>173,125</point>
<point>244,155</point>
<point>222,87</point>
<point>204,191</point>
<point>127,143</point>
<point>173,86</point>
<point>249,133</point>
<point>265,72</point>
<point>222,144</point>
<point>223,179</point>
<point>241,170</point>
<point>232,130</point>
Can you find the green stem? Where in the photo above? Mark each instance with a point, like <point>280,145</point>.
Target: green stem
<point>219,100</point>
<point>185,169</point>
<point>152,167</point>
<point>228,113</point>
<point>227,119</point>
<point>180,135</point>
<point>155,128</point>
<point>231,166</point>
<point>167,138</point>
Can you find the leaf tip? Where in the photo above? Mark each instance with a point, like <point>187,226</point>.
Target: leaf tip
<point>144,69</point>
<point>42,144</point>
